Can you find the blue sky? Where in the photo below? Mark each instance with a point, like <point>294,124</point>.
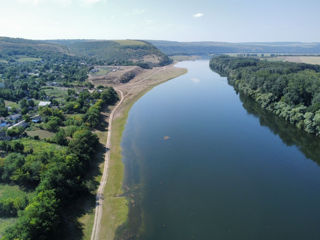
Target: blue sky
<point>181,20</point>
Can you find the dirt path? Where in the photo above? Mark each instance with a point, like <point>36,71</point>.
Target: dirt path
<point>99,197</point>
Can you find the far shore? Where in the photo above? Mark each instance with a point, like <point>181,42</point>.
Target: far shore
<point>115,206</point>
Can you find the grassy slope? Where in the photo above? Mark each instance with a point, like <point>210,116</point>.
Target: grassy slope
<point>130,42</point>
<point>113,52</point>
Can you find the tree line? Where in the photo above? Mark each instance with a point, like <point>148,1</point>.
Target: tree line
<point>57,174</point>
<point>289,90</point>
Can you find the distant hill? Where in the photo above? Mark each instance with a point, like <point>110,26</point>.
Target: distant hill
<point>31,48</point>
<point>122,52</point>
<point>207,48</point>
<point>145,54</point>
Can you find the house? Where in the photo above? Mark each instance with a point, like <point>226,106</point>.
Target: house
<point>44,103</point>
<point>94,70</point>
<point>15,117</point>
<point>3,125</point>
<point>36,119</point>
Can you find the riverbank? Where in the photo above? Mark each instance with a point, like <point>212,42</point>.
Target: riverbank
<point>280,87</point>
<point>115,206</point>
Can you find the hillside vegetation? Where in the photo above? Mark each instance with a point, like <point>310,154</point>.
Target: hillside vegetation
<point>120,52</point>
<point>207,48</point>
<point>16,47</point>
<point>289,90</point>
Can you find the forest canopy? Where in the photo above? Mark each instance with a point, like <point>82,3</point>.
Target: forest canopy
<point>289,90</point>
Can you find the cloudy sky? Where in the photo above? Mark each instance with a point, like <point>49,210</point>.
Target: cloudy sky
<point>181,20</point>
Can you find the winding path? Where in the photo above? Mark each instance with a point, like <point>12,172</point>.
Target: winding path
<point>104,178</point>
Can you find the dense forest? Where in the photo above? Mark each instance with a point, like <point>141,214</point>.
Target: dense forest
<point>53,170</point>
<point>289,90</point>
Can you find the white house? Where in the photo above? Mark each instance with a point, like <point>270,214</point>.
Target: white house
<point>44,103</point>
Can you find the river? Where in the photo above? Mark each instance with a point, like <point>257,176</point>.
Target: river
<point>202,162</point>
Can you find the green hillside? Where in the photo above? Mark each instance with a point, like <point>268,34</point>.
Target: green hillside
<point>17,47</point>
<point>119,52</point>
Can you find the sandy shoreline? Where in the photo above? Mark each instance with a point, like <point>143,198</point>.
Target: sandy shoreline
<point>112,209</point>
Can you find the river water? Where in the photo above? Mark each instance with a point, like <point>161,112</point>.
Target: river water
<point>203,162</point>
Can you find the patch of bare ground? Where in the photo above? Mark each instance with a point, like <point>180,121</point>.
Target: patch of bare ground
<point>117,75</point>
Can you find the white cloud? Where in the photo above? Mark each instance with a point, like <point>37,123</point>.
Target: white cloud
<point>195,80</point>
<point>33,2</point>
<point>59,2</point>
<point>91,1</point>
<point>138,11</point>
<point>198,15</point>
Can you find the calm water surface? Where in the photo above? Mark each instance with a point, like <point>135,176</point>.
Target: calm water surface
<point>203,162</point>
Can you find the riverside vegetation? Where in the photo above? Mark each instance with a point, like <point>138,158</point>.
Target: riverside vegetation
<point>48,152</point>
<point>54,171</point>
<point>289,90</point>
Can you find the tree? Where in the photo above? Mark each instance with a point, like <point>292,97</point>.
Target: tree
<point>52,124</point>
<point>12,162</point>
<point>60,137</point>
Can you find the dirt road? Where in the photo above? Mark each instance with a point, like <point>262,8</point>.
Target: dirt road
<point>99,197</point>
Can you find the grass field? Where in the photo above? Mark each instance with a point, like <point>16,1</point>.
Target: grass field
<point>11,104</point>
<point>9,191</point>
<point>42,134</point>
<point>39,146</point>
<point>6,222</point>
<point>56,92</point>
<point>297,59</point>
<point>130,42</point>
<point>28,59</point>
<point>102,71</point>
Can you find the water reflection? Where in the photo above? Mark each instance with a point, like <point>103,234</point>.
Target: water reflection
<point>308,144</point>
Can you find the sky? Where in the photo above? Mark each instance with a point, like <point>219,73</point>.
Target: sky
<point>177,20</point>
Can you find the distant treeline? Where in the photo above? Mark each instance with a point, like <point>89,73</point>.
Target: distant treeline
<point>208,48</point>
<point>289,90</point>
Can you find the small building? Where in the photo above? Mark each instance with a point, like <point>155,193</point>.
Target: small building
<point>36,119</point>
<point>15,117</point>
<point>44,103</point>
